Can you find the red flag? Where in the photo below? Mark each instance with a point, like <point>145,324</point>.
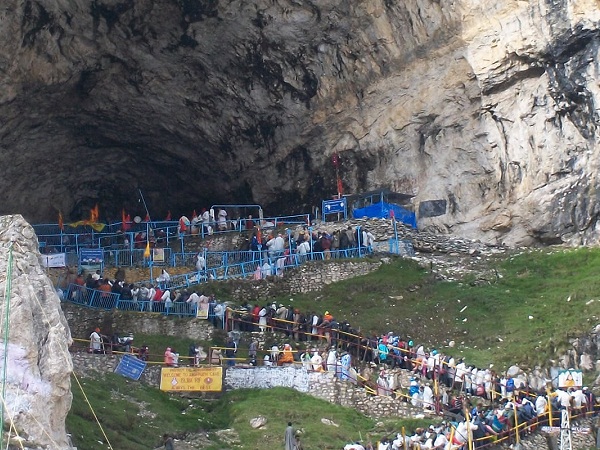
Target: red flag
<point>392,215</point>
<point>168,215</point>
<point>61,224</point>
<point>340,187</point>
<point>125,221</point>
<point>147,218</point>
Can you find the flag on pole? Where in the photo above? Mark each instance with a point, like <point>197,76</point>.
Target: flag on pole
<point>147,218</point>
<point>61,224</point>
<point>168,215</point>
<point>125,221</point>
<point>147,251</point>
<point>340,187</point>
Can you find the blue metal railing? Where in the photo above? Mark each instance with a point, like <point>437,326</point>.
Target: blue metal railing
<point>71,239</point>
<point>93,298</point>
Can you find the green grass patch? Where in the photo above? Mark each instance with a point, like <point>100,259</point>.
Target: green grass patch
<point>133,416</point>
<point>524,315</point>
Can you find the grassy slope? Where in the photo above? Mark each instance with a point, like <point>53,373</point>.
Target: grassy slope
<point>115,400</point>
<point>407,299</point>
<point>555,287</point>
<point>127,429</point>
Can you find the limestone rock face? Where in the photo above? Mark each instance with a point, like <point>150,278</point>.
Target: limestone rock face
<point>487,109</point>
<point>38,369</point>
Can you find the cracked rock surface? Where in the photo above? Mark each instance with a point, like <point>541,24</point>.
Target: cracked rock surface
<point>485,112</point>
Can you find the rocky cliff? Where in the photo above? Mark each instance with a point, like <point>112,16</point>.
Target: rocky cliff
<point>484,111</point>
<point>35,364</point>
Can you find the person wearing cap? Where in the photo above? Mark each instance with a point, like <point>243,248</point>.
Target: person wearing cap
<point>280,316</point>
<point>96,341</point>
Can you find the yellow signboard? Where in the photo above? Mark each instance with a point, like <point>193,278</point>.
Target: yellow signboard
<point>191,379</point>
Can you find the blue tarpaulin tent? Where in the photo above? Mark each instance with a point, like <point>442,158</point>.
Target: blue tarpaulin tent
<point>382,210</point>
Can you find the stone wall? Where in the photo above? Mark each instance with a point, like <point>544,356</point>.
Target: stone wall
<point>310,277</point>
<point>88,365</point>
<point>83,320</point>
<point>323,385</point>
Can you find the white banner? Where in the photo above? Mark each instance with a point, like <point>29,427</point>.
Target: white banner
<point>54,260</point>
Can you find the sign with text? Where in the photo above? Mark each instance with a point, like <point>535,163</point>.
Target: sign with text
<point>131,367</point>
<point>54,260</point>
<point>334,206</point>
<point>191,379</point>
<point>91,256</point>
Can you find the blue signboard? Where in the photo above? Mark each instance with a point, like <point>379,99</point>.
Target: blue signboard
<point>334,207</point>
<point>91,256</point>
<point>131,367</point>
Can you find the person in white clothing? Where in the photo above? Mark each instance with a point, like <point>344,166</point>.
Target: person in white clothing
<point>275,246</point>
<point>540,405</point>
<point>200,262</point>
<point>96,341</point>
<point>331,360</point>
<point>166,298</point>
<point>262,320</point>
<point>222,220</point>
<point>462,432</point>
<point>461,369</point>
<point>164,277</point>
<point>428,402</point>
<point>303,249</point>
<point>440,441</point>
<point>316,362</point>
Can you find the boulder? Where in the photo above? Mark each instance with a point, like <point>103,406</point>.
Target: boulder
<point>38,363</point>
<point>258,422</point>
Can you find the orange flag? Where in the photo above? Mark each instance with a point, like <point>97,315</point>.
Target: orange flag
<point>61,224</point>
<point>147,251</point>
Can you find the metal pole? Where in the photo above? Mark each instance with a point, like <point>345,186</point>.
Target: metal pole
<point>145,206</point>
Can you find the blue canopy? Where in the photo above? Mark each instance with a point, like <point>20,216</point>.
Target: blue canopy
<point>383,210</point>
